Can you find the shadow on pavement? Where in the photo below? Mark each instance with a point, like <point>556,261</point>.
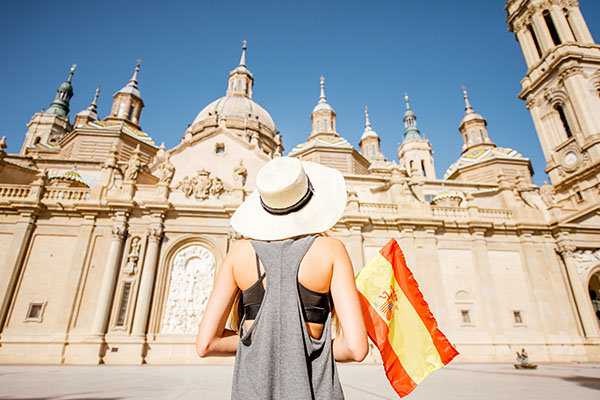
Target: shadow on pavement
<point>592,383</point>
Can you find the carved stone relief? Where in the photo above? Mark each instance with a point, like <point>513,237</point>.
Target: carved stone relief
<point>133,256</point>
<point>202,186</point>
<point>192,280</point>
<point>585,260</point>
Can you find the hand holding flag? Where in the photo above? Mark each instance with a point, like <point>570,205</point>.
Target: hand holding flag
<point>399,321</point>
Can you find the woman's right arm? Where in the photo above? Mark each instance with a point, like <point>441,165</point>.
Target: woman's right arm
<point>352,344</point>
<point>213,339</point>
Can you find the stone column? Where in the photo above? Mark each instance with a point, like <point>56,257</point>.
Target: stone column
<point>528,47</point>
<point>582,299</point>
<point>107,286</point>
<point>142,309</point>
<point>580,27</point>
<point>488,289</point>
<point>13,262</point>
<point>583,102</point>
<point>542,32</point>
<point>560,21</point>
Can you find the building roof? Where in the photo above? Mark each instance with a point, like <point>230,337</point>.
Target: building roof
<point>326,141</point>
<point>122,127</point>
<point>238,107</point>
<point>480,155</point>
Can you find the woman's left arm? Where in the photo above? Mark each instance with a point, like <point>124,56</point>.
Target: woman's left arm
<point>213,339</point>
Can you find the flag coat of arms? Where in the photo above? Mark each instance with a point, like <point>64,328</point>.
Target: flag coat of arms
<point>399,321</point>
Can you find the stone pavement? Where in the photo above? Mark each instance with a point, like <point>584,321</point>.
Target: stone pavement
<point>361,382</point>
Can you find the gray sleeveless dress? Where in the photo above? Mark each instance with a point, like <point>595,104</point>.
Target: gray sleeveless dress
<point>277,358</point>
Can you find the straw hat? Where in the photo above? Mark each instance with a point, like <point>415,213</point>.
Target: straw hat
<point>292,198</point>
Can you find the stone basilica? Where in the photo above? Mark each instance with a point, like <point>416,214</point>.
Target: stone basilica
<point>111,243</point>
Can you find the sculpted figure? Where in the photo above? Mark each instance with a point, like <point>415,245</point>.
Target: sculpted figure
<point>240,173</point>
<point>133,256</point>
<point>166,171</point>
<point>134,165</point>
<point>217,187</point>
<point>187,186</point>
<point>547,194</point>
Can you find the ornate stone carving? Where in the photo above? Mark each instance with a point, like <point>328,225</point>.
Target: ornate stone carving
<point>192,279</point>
<point>566,248</point>
<point>240,173</point>
<point>585,260</point>
<point>155,234</point>
<point>3,146</point>
<point>166,170</point>
<point>134,166</point>
<point>202,186</point>
<point>133,256</point>
<point>547,194</point>
<point>118,232</point>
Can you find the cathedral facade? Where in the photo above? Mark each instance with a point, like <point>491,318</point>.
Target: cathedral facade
<point>112,242</point>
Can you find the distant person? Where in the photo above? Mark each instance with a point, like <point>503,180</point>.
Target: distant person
<point>289,279</point>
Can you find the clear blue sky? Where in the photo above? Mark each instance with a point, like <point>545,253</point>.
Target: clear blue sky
<point>370,52</point>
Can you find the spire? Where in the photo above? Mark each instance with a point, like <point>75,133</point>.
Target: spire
<point>368,132</point>
<point>241,79</point>
<point>468,108</point>
<point>322,104</point>
<point>470,113</point>
<point>132,86</point>
<point>93,107</point>
<point>411,131</point>
<point>243,57</point>
<point>60,105</point>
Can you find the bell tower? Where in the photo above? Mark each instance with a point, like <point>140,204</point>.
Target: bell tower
<point>561,90</point>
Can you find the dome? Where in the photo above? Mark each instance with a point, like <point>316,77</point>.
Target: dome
<point>66,87</point>
<point>478,156</point>
<point>472,116</point>
<point>448,197</point>
<point>237,107</point>
<point>369,133</point>
<point>322,106</point>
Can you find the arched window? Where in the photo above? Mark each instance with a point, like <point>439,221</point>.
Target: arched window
<point>535,40</point>
<point>551,28</point>
<point>373,152</point>
<point>318,125</point>
<point>130,113</point>
<point>473,137</point>
<point>326,125</point>
<point>563,119</point>
<point>423,167</point>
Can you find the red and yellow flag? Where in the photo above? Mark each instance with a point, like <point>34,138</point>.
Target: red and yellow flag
<point>399,321</point>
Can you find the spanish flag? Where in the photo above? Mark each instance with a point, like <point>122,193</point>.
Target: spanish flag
<point>399,321</point>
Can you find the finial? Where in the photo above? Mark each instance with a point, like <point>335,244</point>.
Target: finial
<point>3,143</point>
<point>96,95</point>
<point>243,58</point>
<point>367,123</point>
<point>322,98</point>
<point>72,72</point>
<point>135,73</point>
<point>468,107</point>
<point>406,99</point>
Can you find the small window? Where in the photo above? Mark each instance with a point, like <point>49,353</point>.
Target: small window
<point>220,148</point>
<point>123,306</point>
<point>568,18</point>
<point>473,136</point>
<point>326,125</point>
<point>579,196</point>
<point>551,28</point>
<point>535,40</point>
<point>130,114</point>
<point>481,134</point>
<point>563,119</point>
<point>35,312</point>
<point>466,316</point>
<point>318,126</point>
<point>423,167</point>
<point>518,317</point>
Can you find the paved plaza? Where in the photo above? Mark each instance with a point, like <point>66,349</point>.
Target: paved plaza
<point>361,382</point>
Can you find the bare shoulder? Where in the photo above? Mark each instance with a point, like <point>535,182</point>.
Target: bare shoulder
<point>332,247</point>
<point>239,250</point>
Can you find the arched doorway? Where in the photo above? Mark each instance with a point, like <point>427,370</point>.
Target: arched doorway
<point>594,291</point>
